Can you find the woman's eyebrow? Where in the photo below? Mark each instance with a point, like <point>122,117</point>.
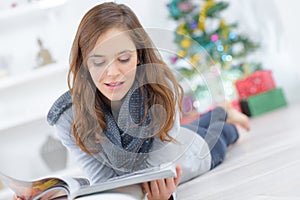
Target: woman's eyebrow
<point>124,51</point>
<point>117,54</point>
<point>96,55</point>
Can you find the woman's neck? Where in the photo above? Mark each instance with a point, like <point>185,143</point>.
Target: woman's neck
<point>115,108</point>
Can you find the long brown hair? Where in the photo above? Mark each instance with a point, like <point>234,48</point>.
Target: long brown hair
<point>89,115</point>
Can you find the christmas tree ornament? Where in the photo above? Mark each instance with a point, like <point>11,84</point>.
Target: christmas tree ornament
<point>220,48</point>
<point>181,30</point>
<point>232,35</point>
<point>186,43</point>
<point>214,37</point>
<point>193,25</point>
<point>181,53</point>
<point>185,7</point>
<point>173,60</point>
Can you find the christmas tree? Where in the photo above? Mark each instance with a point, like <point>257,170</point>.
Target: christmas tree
<point>201,28</point>
<point>204,39</point>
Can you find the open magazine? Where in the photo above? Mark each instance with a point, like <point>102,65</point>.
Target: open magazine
<point>72,188</point>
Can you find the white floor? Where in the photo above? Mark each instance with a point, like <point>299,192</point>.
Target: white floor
<point>264,164</point>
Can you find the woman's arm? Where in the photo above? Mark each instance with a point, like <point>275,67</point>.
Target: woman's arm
<point>93,168</point>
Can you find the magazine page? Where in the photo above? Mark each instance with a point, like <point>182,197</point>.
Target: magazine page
<point>129,179</point>
<point>131,192</point>
<point>48,188</point>
<point>63,193</point>
<point>75,184</point>
<point>31,189</point>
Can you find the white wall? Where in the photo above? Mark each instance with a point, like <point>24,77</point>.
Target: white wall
<point>286,64</point>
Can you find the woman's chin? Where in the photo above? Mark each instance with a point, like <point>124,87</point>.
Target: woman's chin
<point>116,97</point>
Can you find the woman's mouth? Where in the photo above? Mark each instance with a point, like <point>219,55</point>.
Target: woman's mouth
<point>114,85</point>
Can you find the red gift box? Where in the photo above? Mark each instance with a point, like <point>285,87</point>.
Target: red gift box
<point>256,83</point>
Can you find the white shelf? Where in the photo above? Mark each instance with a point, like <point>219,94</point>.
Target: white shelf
<point>21,104</point>
<point>29,8</point>
<point>16,117</point>
<point>42,72</point>
<point>10,122</point>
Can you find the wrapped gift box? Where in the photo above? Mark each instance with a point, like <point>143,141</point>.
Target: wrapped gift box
<point>256,83</point>
<point>264,102</point>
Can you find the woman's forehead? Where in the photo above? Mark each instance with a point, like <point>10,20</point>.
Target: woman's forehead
<point>113,42</point>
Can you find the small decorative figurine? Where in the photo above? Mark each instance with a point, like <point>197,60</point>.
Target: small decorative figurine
<point>44,57</point>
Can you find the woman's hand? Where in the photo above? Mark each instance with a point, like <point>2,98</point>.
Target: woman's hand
<point>162,189</point>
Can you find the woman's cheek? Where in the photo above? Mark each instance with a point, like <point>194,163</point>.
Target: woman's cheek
<point>97,75</point>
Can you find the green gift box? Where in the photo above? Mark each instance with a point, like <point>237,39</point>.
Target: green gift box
<point>263,102</point>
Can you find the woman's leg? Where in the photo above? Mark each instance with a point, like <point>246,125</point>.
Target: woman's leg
<point>217,114</point>
<point>224,113</point>
<point>216,132</point>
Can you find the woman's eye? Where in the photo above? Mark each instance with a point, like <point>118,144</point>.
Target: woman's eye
<point>124,59</point>
<point>98,63</point>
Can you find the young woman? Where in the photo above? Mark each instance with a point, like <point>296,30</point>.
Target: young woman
<point>122,111</point>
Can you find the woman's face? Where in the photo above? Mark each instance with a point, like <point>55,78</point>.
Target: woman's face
<point>112,64</point>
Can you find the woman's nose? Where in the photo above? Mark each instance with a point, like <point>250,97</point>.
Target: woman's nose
<point>112,69</point>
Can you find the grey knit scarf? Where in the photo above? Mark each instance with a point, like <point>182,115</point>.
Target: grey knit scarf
<point>126,141</point>
<point>128,138</point>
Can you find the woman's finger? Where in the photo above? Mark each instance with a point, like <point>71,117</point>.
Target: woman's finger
<point>170,183</point>
<point>178,177</point>
<point>154,188</point>
<point>161,185</point>
<point>146,187</point>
